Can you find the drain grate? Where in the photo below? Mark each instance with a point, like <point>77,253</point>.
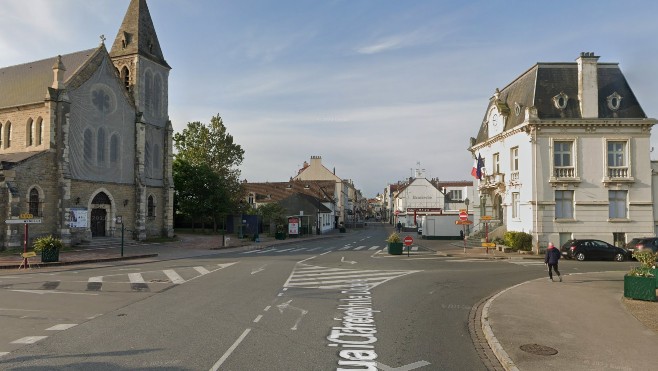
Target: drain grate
<point>540,350</point>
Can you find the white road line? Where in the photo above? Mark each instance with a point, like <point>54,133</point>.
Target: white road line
<point>315,248</point>
<point>230,350</point>
<point>201,270</point>
<point>267,308</point>
<point>258,318</point>
<point>95,279</point>
<point>61,327</point>
<point>264,251</point>
<point>3,353</point>
<point>173,276</point>
<point>414,248</point>
<point>374,248</point>
<point>29,340</point>
<point>359,247</point>
<point>136,278</point>
<point>284,250</point>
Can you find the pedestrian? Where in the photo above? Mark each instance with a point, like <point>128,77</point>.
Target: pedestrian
<point>461,234</point>
<point>552,257</point>
<point>399,227</point>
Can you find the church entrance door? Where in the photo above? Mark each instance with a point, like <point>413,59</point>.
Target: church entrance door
<point>98,217</point>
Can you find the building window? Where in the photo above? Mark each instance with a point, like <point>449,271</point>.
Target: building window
<point>33,202</point>
<point>29,132</point>
<point>619,239</point>
<point>114,149</point>
<point>39,134</point>
<point>150,207</point>
<point>156,161</point>
<point>455,195</point>
<point>147,159</point>
<point>125,76</point>
<point>617,166</point>
<point>1,136</point>
<point>8,135</point>
<point>562,159</point>
<point>515,205</point>
<point>514,156</point>
<point>617,204</point>
<point>100,147</point>
<point>87,145</point>
<point>496,163</point>
<point>563,204</point>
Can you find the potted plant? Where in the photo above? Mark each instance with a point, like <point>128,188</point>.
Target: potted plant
<point>641,282</point>
<point>49,247</point>
<point>394,244</point>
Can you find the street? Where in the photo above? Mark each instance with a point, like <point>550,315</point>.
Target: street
<point>336,303</point>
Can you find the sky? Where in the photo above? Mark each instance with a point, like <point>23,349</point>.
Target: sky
<point>377,88</point>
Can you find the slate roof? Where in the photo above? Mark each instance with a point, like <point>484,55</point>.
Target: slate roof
<point>28,83</point>
<point>538,85</point>
<point>9,160</point>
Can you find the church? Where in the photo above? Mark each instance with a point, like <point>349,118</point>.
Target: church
<point>86,141</point>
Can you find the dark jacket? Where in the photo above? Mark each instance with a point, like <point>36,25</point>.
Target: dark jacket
<point>552,255</point>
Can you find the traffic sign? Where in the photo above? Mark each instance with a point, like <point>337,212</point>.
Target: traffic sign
<point>26,216</point>
<point>486,217</point>
<point>397,212</point>
<point>23,221</point>
<point>463,222</point>
<point>408,241</point>
<point>463,215</point>
<point>488,244</point>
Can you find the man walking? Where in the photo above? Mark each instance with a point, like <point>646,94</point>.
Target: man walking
<point>552,257</point>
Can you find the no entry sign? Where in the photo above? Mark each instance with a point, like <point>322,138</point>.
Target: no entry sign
<point>408,241</point>
<point>463,215</point>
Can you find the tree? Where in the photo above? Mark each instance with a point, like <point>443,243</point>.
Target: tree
<point>206,162</point>
<point>273,213</point>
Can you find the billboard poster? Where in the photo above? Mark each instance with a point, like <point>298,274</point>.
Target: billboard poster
<point>293,226</point>
<point>77,217</point>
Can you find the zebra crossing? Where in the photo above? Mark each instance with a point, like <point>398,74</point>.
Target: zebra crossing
<point>135,281</point>
<point>319,249</point>
<point>523,262</point>
<point>317,277</point>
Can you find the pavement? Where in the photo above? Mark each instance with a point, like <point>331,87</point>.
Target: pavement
<point>578,324</point>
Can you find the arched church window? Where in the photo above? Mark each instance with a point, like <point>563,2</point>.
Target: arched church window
<point>150,206</point>
<point>156,160</point>
<point>125,77</point>
<point>147,158</point>
<point>114,149</point>
<point>157,95</point>
<point>148,92</point>
<point>39,134</point>
<point>33,202</point>
<point>29,132</point>
<point>101,199</point>
<point>100,147</point>
<point>8,135</point>
<point>87,139</point>
<point>1,136</point>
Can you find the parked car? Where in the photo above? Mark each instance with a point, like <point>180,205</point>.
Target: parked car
<point>639,244</point>
<point>593,250</point>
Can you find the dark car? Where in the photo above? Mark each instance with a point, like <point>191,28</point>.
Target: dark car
<point>645,243</point>
<point>593,250</point>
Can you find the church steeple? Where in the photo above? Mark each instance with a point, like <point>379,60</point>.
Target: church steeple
<point>137,35</point>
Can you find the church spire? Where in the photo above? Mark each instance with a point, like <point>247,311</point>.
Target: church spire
<point>137,35</point>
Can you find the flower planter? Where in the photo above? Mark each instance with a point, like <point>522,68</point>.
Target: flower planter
<point>279,236</point>
<point>641,288</point>
<point>654,271</point>
<point>49,255</point>
<point>395,248</point>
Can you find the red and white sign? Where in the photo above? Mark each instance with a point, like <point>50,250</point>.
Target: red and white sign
<point>463,215</point>
<point>397,212</point>
<point>293,225</point>
<point>408,241</point>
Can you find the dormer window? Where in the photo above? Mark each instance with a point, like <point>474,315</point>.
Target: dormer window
<point>560,101</point>
<point>614,101</point>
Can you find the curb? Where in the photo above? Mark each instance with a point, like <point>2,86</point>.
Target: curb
<point>84,261</point>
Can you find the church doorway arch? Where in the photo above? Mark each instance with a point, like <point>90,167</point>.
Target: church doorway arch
<point>100,206</point>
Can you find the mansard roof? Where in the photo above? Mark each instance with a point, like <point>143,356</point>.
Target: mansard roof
<point>28,83</point>
<point>538,85</point>
<point>137,35</point>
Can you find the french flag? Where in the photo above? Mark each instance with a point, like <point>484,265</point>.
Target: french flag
<point>476,172</point>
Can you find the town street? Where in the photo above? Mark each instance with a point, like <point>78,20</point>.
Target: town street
<point>336,303</point>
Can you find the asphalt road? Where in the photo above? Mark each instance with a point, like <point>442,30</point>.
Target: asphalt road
<point>339,303</point>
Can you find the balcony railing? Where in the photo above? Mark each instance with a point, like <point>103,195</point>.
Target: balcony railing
<point>618,172</point>
<point>564,172</point>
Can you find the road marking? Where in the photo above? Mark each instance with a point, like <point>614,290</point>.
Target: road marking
<point>230,350</point>
<point>29,340</point>
<point>267,308</point>
<point>374,248</point>
<point>359,247</point>
<point>342,260</point>
<point>414,248</point>
<point>61,327</point>
<point>3,354</point>
<point>173,276</point>
<point>408,367</point>
<point>95,279</point>
<point>41,292</point>
<point>201,270</point>
<point>284,250</point>
<point>136,278</point>
<point>309,276</point>
<point>258,318</point>
<point>287,305</point>
<point>259,269</point>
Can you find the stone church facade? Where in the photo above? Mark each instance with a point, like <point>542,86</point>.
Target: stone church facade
<point>86,140</point>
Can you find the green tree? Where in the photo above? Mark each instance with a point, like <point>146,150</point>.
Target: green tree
<point>212,153</point>
<point>274,214</point>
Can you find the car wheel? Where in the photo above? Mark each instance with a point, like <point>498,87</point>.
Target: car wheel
<point>620,257</point>
<point>580,256</point>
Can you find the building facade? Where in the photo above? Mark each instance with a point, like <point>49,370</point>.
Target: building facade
<point>565,154</point>
<point>86,141</point>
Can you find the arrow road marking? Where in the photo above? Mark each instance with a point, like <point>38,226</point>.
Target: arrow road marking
<point>287,305</point>
<point>342,260</point>
<point>411,366</point>
<point>259,269</point>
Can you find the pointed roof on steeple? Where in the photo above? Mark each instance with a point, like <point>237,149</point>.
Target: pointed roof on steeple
<point>137,35</point>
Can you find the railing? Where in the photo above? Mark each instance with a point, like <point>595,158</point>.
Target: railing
<point>564,172</point>
<point>617,172</point>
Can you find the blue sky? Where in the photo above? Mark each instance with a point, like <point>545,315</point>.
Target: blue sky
<point>374,87</point>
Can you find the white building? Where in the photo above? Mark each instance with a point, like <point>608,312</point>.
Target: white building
<point>566,155</point>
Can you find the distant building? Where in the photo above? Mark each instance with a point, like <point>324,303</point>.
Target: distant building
<point>566,149</point>
<point>85,138</point>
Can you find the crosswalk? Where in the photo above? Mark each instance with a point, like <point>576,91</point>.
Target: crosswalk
<point>523,262</point>
<point>135,281</point>
<point>317,277</point>
<point>319,249</point>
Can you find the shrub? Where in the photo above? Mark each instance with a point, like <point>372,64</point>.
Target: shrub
<point>518,240</point>
<point>47,243</point>
<point>394,238</point>
<point>647,261</point>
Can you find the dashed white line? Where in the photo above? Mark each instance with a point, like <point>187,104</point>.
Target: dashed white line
<point>258,318</point>
<point>61,327</point>
<point>230,350</point>
<point>29,340</point>
<point>201,270</point>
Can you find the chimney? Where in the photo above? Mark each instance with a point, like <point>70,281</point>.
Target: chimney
<point>588,85</point>
<point>316,161</point>
<point>58,71</point>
